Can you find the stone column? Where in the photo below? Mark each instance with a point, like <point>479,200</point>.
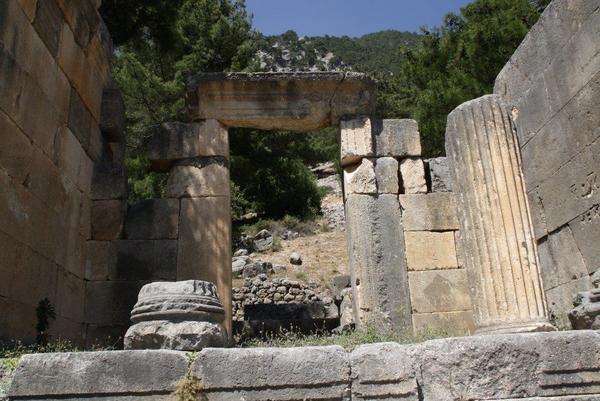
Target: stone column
<point>496,231</point>
<point>196,156</point>
<point>380,292</point>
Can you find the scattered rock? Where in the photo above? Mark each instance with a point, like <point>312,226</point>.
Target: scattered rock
<point>586,314</point>
<point>289,235</point>
<point>241,252</point>
<point>296,259</point>
<point>262,241</point>
<point>256,268</point>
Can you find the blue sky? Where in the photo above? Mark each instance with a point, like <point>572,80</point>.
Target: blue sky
<point>348,17</point>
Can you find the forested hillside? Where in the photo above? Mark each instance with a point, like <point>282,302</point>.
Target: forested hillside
<point>422,76</point>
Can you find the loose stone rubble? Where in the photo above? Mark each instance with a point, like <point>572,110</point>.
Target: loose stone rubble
<point>184,315</point>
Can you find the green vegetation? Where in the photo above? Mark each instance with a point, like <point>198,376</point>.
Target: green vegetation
<point>348,340</point>
<point>422,76</point>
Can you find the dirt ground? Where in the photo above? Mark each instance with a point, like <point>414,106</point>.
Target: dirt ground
<point>324,255</point>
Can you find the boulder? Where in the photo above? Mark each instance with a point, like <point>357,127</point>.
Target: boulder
<point>296,259</point>
<point>586,314</point>
<point>262,241</point>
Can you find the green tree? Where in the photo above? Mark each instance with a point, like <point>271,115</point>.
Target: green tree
<point>459,61</point>
<point>202,36</point>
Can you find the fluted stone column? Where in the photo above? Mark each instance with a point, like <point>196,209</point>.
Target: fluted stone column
<point>496,231</point>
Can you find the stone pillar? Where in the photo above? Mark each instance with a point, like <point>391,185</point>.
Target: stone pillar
<point>196,156</point>
<point>380,293</point>
<point>496,231</point>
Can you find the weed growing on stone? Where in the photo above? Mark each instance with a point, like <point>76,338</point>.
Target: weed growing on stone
<point>348,340</point>
<point>190,387</point>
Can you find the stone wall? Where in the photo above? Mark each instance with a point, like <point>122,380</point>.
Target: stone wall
<point>55,130</point>
<point>560,366</point>
<point>402,231</point>
<point>553,80</point>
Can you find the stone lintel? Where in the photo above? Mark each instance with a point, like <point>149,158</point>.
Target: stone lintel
<point>300,101</point>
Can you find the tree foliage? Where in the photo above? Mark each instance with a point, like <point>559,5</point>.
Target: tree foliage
<point>456,62</point>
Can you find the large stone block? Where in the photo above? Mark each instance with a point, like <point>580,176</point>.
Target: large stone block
<point>356,140</point>
<point>439,174</point>
<point>109,181</point>
<point>29,7</point>
<point>108,217</point>
<point>290,101</point>
<point>564,136</point>
<point>412,171</point>
<point>83,19</point>
<point>586,231</point>
<point>191,178</point>
<point>110,302</point>
<point>376,254</point>
<point>174,141</point>
<point>70,296</point>
<point>144,260</point>
<point>387,174</point>
<point>153,219</point>
<point>16,152</point>
<point>360,178</point>
<point>48,24</point>
<point>451,323</point>
<point>107,375</point>
<point>573,189</point>
<point>430,212</point>
<point>101,256</point>
<point>112,117</point>
<point>307,373</point>
<point>560,300</point>
<point>204,251</point>
<point>439,291</point>
<point>427,250</point>
<point>388,370</point>
<point>560,259</point>
<point>397,138</point>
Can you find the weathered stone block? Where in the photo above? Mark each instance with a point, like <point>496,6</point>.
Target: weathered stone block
<point>538,218</point>
<point>83,19</point>
<point>144,260</point>
<point>586,231</point>
<point>439,174</point>
<point>412,171</point>
<point>16,152</point>
<point>200,177</point>
<point>397,138</point>
<point>439,291</point>
<point>112,115</point>
<point>376,254</point>
<point>279,100</point>
<point>153,219</point>
<point>70,296</point>
<point>309,373</point>
<point>560,300</point>
<point>175,141</point>
<point>109,181</point>
<point>204,251</point>
<point>427,250</point>
<point>48,24</point>
<point>387,173</point>
<point>29,7</point>
<point>110,302</point>
<point>116,375</point>
<point>453,323</point>
<point>108,217</point>
<point>81,121</point>
<point>386,370</point>
<point>101,257</point>
<point>560,259</point>
<point>431,212</point>
<point>356,140</point>
<point>573,189</point>
<point>360,178</point>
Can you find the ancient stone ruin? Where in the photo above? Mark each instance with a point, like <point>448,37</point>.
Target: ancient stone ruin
<point>498,239</point>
